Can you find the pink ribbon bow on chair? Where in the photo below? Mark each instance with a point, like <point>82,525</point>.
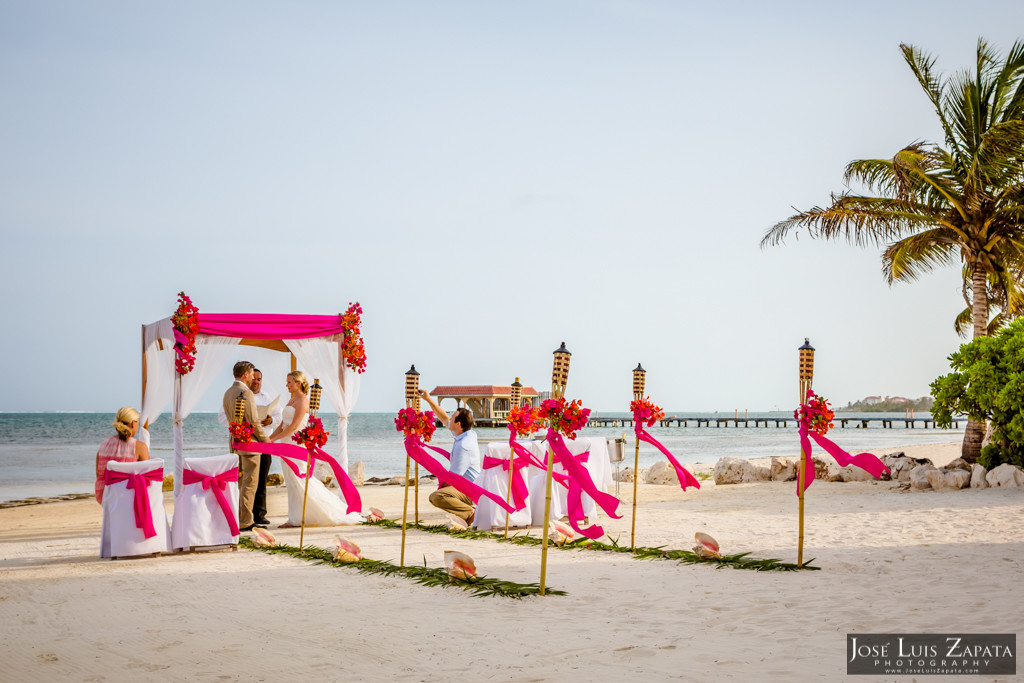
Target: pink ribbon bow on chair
<point>519,489</point>
<point>140,484</point>
<point>219,482</point>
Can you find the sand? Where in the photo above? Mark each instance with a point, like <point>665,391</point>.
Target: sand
<point>892,561</point>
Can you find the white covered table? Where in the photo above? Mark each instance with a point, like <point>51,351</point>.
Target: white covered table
<point>495,479</point>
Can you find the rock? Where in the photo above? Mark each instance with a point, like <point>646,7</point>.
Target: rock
<point>168,484</point>
<point>900,466</point>
<point>357,473</point>
<point>783,469</point>
<point>626,475</point>
<point>826,470</point>
<point>275,479</point>
<point>852,473</point>
<point>978,477</point>
<point>919,477</point>
<point>733,470</point>
<point>948,480</point>
<point>399,480</point>
<point>1006,476</point>
<point>958,464</point>
<point>662,473</point>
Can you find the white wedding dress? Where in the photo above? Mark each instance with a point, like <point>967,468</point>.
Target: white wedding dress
<point>323,507</point>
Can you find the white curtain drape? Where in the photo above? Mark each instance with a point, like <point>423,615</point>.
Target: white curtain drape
<point>159,373</point>
<point>321,357</point>
<point>211,355</point>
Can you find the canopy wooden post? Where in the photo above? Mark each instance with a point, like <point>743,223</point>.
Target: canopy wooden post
<point>143,399</point>
<point>294,363</point>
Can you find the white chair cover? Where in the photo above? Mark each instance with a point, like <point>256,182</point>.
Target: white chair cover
<point>121,537</point>
<point>495,479</point>
<point>198,518</point>
<point>598,465</point>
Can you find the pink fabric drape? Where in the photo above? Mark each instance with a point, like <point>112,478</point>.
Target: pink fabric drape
<point>219,482</point>
<point>519,489</point>
<point>685,478</point>
<point>293,455</point>
<point>140,484</point>
<point>269,325</point>
<point>866,461</point>
<point>579,483</point>
<point>417,451</point>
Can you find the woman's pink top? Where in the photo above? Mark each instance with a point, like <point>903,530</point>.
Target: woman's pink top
<point>112,449</point>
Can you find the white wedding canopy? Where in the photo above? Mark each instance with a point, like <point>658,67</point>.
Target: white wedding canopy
<point>314,341</point>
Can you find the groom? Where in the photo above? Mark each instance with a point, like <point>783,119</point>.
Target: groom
<point>248,463</point>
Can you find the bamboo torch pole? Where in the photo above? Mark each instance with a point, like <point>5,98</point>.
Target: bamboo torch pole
<point>412,400</point>
<point>517,392</point>
<point>639,375</point>
<point>314,408</point>
<point>559,377</point>
<point>806,375</point>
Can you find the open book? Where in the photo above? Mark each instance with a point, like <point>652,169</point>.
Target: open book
<point>263,411</point>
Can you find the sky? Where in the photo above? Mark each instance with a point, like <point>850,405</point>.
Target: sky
<point>486,179</point>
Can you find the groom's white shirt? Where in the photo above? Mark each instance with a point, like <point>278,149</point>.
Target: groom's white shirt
<point>262,399</point>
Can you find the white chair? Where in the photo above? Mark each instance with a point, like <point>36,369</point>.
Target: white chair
<point>597,465</point>
<point>124,512</point>
<point>495,479</point>
<point>206,507</point>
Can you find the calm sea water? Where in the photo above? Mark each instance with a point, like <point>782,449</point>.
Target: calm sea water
<point>45,454</point>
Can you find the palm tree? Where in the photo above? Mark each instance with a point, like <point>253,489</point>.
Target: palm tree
<point>934,205</point>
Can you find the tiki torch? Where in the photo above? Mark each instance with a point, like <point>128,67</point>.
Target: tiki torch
<point>639,377</point>
<point>314,407</point>
<point>513,403</point>
<point>806,376</point>
<point>412,400</point>
<point>559,377</point>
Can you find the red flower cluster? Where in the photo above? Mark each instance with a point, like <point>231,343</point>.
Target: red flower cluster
<point>565,417</point>
<point>240,431</point>
<point>414,423</point>
<point>185,321</point>
<point>525,420</point>
<point>645,411</point>
<point>815,415</point>
<point>352,348</point>
<point>312,435</point>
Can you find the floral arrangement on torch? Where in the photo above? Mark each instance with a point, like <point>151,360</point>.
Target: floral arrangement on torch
<point>815,415</point>
<point>352,348</point>
<point>525,420</point>
<point>186,325</point>
<point>240,431</point>
<point>312,435</point>
<point>414,423</point>
<point>645,411</point>
<point>565,417</point>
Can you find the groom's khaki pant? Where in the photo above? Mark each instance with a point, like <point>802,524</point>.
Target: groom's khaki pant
<point>450,499</point>
<point>249,466</point>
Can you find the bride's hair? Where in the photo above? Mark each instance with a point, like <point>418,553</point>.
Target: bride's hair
<point>300,377</point>
<point>123,422</point>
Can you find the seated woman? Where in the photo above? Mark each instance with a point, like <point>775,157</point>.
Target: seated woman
<point>122,447</point>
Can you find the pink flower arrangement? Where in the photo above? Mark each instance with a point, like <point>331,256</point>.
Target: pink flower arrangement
<point>526,420</point>
<point>645,411</point>
<point>312,435</point>
<point>565,417</point>
<point>414,423</point>
<point>240,431</point>
<point>815,415</point>
<point>186,321</point>
<point>352,348</point>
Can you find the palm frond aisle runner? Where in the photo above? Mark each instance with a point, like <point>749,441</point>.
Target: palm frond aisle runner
<point>481,586</point>
<point>737,561</point>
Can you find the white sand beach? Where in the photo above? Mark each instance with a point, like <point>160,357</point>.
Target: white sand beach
<point>891,561</point>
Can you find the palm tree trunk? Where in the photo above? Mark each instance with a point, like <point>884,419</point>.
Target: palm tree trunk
<point>974,434</point>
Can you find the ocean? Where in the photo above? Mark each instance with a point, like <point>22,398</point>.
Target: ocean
<point>48,454</point>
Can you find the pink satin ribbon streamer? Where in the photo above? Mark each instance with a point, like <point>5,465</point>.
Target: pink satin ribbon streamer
<point>140,484</point>
<point>293,452</point>
<point>866,461</point>
<point>417,451</point>
<point>579,483</point>
<point>219,482</point>
<point>685,478</point>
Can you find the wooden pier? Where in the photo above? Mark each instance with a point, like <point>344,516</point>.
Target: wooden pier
<point>778,422</point>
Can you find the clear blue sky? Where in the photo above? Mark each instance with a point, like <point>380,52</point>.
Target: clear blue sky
<point>488,179</point>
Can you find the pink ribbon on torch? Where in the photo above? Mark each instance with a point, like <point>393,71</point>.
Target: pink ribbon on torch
<point>866,461</point>
<point>685,478</point>
<point>289,453</point>
<point>417,451</point>
<point>579,483</point>
<point>219,483</point>
<point>140,484</point>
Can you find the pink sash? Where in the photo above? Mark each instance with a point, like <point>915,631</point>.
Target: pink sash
<point>289,453</point>
<point>519,489</point>
<point>140,483</point>
<point>219,482</point>
<point>866,461</point>
<point>579,483</point>
<point>417,451</point>
<point>685,478</point>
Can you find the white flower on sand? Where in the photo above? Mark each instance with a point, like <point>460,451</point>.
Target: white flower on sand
<point>706,547</point>
<point>262,537</point>
<point>459,565</point>
<point>559,533</point>
<point>345,550</point>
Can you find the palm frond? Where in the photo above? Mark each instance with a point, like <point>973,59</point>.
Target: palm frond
<point>913,256</point>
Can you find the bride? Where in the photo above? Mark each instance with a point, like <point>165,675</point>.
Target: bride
<point>323,508</point>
